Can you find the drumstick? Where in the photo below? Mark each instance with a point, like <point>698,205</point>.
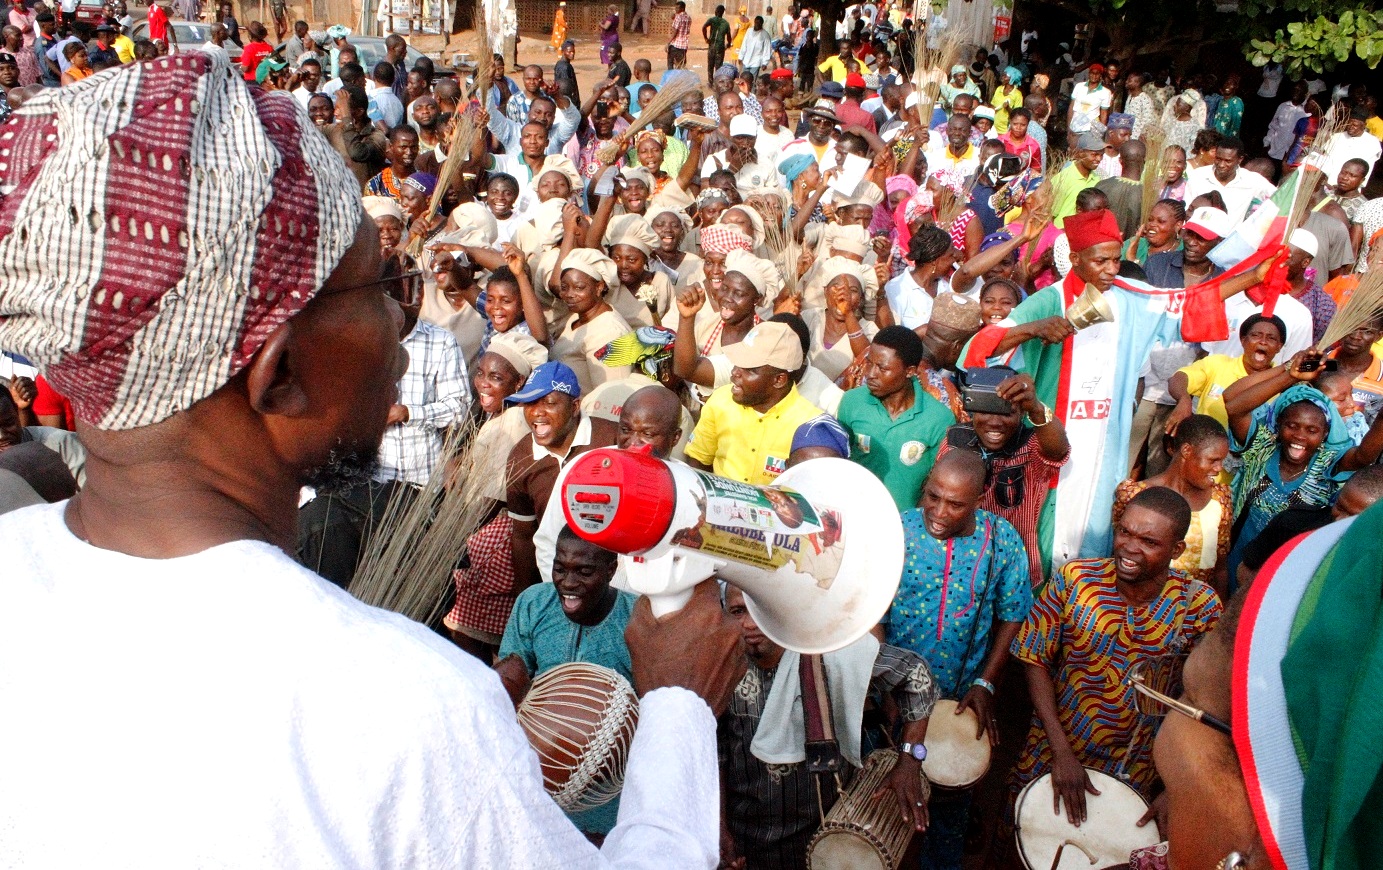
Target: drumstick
<point>1056,862</point>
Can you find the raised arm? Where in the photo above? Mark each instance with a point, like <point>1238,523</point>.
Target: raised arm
<point>687,361</point>
<point>533,312</point>
<point>1245,395</point>
<point>977,265</point>
<point>689,176</point>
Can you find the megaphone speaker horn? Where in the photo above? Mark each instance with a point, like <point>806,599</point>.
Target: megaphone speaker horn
<point>818,555</point>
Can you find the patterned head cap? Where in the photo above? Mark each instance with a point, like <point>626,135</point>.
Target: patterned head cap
<point>157,223</point>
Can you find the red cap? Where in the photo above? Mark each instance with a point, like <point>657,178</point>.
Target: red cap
<point>854,80</point>
<point>622,500</point>
<point>781,72</point>
<point>1089,228</point>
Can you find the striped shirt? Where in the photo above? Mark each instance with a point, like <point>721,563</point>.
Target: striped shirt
<point>436,392</point>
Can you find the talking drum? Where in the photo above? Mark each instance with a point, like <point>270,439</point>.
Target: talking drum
<point>860,833</point>
<point>955,759</point>
<point>1105,839</point>
<point>580,719</point>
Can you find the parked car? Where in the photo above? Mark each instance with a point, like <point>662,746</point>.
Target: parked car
<point>371,50</point>
<point>189,34</point>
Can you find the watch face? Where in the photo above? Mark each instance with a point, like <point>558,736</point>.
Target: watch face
<point>919,751</point>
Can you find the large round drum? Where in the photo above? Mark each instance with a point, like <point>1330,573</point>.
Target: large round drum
<point>1105,839</point>
<point>861,833</point>
<point>955,757</point>
<point>580,719</point>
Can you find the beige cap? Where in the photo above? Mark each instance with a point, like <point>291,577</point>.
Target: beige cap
<point>520,350</point>
<point>768,344</point>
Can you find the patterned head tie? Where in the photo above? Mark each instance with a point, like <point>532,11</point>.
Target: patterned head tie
<point>157,223</point>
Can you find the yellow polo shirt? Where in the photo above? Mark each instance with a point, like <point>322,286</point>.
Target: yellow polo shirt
<point>740,443</point>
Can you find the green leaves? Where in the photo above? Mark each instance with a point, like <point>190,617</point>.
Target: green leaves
<point>1318,44</point>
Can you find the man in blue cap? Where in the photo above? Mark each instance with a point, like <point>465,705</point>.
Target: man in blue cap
<point>559,433</point>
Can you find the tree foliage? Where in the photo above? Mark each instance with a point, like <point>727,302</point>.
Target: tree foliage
<point>1318,44</point>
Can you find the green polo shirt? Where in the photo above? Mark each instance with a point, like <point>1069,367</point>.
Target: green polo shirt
<point>1066,185</point>
<point>901,451</point>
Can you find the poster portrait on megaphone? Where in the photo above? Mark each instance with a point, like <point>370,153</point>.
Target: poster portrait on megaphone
<point>768,527</point>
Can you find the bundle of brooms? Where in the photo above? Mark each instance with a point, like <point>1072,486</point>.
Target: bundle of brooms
<point>679,84</point>
<point>408,561</point>
<point>1363,306</point>
<point>1153,170</point>
<point>464,130</point>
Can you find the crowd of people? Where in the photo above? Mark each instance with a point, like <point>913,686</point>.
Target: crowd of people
<point>1006,295</point>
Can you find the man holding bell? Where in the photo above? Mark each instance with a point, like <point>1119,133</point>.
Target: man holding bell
<point>1088,374</point>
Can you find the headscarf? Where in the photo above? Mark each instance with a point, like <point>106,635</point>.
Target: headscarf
<point>884,222</point>
<point>724,238</point>
<point>1337,436</point>
<point>382,206</point>
<point>475,227</point>
<point>562,164</point>
<point>836,266</point>
<point>631,230</point>
<point>655,213</point>
<point>852,238</point>
<point>755,219</point>
<point>519,349</point>
<point>711,193</point>
<point>593,263</point>
<point>656,135</point>
<point>1014,75</point>
<point>141,312</point>
<point>423,182</point>
<point>793,167</point>
<point>760,272</point>
<point>919,204</point>
<point>727,69</point>
<point>338,31</point>
<point>639,174</point>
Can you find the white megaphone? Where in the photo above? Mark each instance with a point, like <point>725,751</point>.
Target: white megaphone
<point>818,555</point>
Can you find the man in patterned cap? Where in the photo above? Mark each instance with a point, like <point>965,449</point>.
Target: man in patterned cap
<point>1094,371</point>
<point>188,261</point>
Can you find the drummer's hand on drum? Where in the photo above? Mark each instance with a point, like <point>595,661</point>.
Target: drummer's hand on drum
<point>1069,785</point>
<point>981,702</point>
<point>1157,812</point>
<point>697,648</point>
<point>905,782</point>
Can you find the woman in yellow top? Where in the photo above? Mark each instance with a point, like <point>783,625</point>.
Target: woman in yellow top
<point>1199,451</point>
<point>1007,97</point>
<point>1206,379</point>
<point>80,68</point>
<point>743,24</point>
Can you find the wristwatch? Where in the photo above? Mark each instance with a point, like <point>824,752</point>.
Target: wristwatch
<point>1046,416</point>
<point>916,750</point>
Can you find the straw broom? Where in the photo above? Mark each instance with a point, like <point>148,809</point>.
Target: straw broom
<point>668,97</point>
<point>785,251</point>
<point>407,567</point>
<point>1363,306</point>
<point>1153,137</point>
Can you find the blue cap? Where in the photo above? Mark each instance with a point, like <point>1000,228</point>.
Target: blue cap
<point>833,90</point>
<point>550,377</point>
<point>822,431</point>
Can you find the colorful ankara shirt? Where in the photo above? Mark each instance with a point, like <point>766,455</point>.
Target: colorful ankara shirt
<point>951,593</point>
<point>1084,633</point>
<point>900,452</point>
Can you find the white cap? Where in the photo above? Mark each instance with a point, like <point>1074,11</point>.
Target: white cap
<point>1210,223</point>
<point>1304,240</point>
<point>744,125</point>
<point>911,101</point>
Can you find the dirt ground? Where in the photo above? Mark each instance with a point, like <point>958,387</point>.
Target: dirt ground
<point>534,49</point>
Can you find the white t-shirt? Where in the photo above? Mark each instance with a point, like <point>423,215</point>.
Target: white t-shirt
<point>1086,105</point>
<point>1240,307</point>
<point>230,709</point>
